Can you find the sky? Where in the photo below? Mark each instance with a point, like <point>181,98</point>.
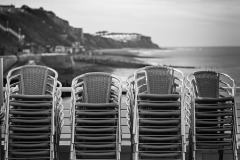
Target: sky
<point>170,23</point>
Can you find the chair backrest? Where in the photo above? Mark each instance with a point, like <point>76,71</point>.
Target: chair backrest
<point>97,87</point>
<point>160,80</point>
<point>33,79</point>
<point>207,84</point>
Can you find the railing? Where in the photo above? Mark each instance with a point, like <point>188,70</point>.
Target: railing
<point>3,28</point>
<point>14,33</point>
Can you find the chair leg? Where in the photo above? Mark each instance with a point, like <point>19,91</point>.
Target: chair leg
<point>131,157</point>
<point>235,154</point>
<point>190,146</point>
<point>135,156</point>
<point>220,152</point>
<point>190,152</point>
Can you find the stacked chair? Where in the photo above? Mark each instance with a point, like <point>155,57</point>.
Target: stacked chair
<point>96,117</point>
<point>2,115</point>
<point>212,116</point>
<point>34,114</point>
<point>156,113</point>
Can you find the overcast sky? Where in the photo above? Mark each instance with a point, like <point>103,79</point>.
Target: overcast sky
<point>168,22</point>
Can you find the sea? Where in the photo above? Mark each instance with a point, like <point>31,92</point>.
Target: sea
<point>190,59</point>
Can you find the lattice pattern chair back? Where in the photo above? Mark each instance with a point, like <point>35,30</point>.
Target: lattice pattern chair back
<point>97,88</point>
<point>159,79</point>
<point>207,84</point>
<point>33,80</point>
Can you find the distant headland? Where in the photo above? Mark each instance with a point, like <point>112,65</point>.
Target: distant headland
<point>32,30</point>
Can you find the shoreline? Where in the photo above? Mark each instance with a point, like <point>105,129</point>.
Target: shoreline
<point>111,60</point>
<point>130,52</point>
<point>126,57</point>
<point>106,60</point>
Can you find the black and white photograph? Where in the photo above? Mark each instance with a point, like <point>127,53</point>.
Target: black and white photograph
<point>119,79</point>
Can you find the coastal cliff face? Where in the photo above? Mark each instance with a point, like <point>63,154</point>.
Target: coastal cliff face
<point>42,29</point>
<point>98,42</point>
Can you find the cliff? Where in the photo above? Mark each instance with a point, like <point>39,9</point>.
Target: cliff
<point>43,29</point>
<point>98,42</point>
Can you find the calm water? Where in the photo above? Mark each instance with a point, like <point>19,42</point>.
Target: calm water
<point>220,59</point>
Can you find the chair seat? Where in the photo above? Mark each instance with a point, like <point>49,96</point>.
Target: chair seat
<point>28,137</point>
<point>31,97</point>
<point>158,122</point>
<point>214,106</point>
<point>31,112</point>
<point>154,155</point>
<point>213,129</point>
<point>96,154</point>
<point>159,130</point>
<point>169,158</point>
<point>98,113</point>
<point>169,97</point>
<point>94,138</point>
<point>161,146</point>
<point>96,130</point>
<point>97,105</point>
<point>207,137</point>
<point>30,121</point>
<point>96,121</point>
<point>212,143</point>
<point>32,129</point>
<point>213,114</point>
<point>160,105</point>
<point>163,113</point>
<point>95,146</point>
<point>31,105</point>
<point>29,145</point>
<point>213,100</point>
<point>163,138</point>
<point>30,153</point>
<point>212,121</point>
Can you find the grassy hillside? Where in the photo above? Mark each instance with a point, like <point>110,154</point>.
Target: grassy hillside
<point>43,28</point>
